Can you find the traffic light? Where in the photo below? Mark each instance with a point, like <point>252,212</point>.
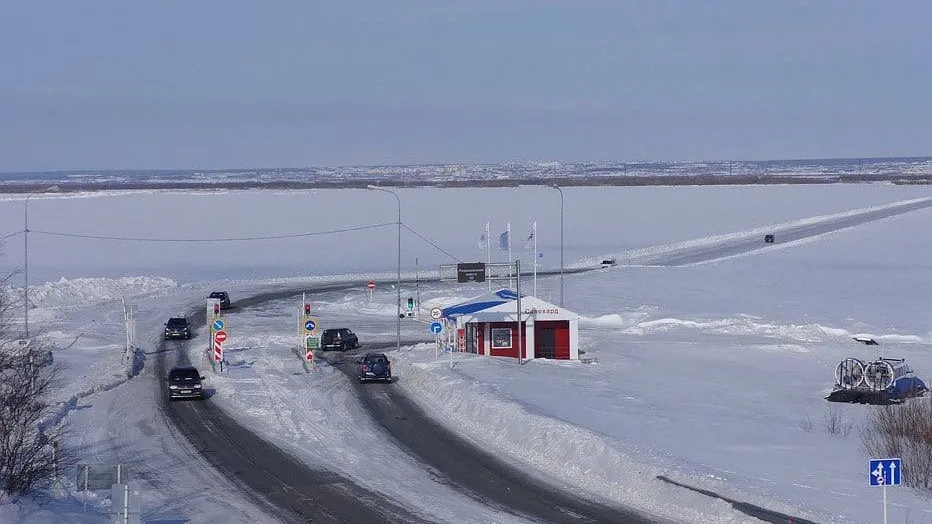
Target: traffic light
<point>216,309</point>
<point>307,309</point>
<point>410,303</point>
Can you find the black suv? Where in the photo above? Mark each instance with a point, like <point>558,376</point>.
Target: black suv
<point>224,298</point>
<point>375,366</point>
<point>185,382</point>
<point>339,339</point>
<point>177,327</point>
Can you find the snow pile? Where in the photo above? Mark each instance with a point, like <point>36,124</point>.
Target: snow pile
<point>574,456</point>
<point>84,291</point>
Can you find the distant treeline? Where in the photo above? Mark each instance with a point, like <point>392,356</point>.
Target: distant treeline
<point>563,181</point>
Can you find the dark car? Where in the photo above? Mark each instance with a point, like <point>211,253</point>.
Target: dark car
<point>177,327</point>
<point>339,339</point>
<point>224,298</point>
<point>768,239</point>
<point>375,366</point>
<point>185,382</point>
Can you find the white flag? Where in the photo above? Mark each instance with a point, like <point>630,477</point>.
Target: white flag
<point>529,241</point>
<point>483,241</point>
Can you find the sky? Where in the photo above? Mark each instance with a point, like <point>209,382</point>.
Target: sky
<point>103,84</point>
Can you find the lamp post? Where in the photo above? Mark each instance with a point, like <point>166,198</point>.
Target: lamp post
<point>561,241</point>
<point>26,256</point>
<point>26,262</point>
<point>398,277</point>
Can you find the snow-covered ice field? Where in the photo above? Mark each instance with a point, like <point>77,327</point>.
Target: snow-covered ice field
<point>713,375</point>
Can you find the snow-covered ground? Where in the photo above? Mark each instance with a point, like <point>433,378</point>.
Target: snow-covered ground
<point>712,375</point>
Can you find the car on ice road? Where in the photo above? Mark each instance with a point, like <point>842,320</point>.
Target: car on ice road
<point>375,367</point>
<point>185,382</point>
<point>177,327</point>
<point>339,339</point>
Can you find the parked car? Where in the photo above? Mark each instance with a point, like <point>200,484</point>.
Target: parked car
<point>375,366</point>
<point>185,382</point>
<point>224,298</point>
<point>768,239</point>
<point>339,339</point>
<point>177,327</point>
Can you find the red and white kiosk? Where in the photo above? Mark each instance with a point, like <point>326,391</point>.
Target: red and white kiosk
<point>488,325</point>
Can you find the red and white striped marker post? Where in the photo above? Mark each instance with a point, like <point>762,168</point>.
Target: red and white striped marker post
<point>219,338</point>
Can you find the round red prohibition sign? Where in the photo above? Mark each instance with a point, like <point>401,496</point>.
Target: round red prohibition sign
<point>220,336</point>
<point>370,285</point>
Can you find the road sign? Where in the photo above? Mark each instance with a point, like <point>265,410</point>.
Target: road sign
<point>218,324</point>
<point>436,328</point>
<point>370,284</point>
<point>470,272</point>
<point>885,472</point>
<point>436,313</point>
<point>220,336</point>
<point>310,325</point>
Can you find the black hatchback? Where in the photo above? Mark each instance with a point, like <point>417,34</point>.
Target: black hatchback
<point>185,382</point>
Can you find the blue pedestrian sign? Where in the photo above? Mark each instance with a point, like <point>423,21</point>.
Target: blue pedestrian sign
<point>310,325</point>
<point>885,472</point>
<point>436,328</point>
<point>218,325</point>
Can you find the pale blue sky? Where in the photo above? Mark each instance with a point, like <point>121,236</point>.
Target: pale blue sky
<point>227,83</point>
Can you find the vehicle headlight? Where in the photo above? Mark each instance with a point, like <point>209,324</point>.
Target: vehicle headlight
<point>173,387</point>
<point>197,386</point>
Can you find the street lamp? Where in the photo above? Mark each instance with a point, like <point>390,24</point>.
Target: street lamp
<point>26,255</point>
<point>398,278</point>
<point>561,241</point>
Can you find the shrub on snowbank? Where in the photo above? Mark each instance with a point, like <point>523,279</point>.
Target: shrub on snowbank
<point>904,431</point>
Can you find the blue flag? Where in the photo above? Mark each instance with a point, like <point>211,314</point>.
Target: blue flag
<point>503,240</point>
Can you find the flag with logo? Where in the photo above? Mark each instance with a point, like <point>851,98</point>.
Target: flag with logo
<point>504,240</point>
<point>529,241</point>
<point>483,240</point>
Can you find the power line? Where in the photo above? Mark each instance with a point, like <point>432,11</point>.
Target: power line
<point>438,248</point>
<point>233,239</point>
<point>10,235</point>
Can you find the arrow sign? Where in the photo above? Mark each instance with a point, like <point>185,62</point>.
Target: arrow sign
<point>310,325</point>
<point>885,472</point>
<point>220,336</point>
<point>894,473</point>
<point>218,324</point>
<point>436,328</point>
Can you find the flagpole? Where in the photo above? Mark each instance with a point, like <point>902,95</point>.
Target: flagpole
<point>488,253</point>
<point>534,232</point>
<point>508,229</point>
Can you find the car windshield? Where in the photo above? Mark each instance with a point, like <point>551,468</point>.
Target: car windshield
<point>216,295</point>
<point>177,322</point>
<point>184,376</point>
